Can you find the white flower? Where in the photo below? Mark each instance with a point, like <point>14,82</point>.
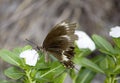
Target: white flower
<point>115,32</point>
<point>84,41</point>
<point>30,56</point>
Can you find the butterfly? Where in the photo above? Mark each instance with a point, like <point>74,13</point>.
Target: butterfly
<point>60,42</point>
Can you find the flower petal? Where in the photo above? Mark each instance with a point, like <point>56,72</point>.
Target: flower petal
<point>30,56</point>
<point>84,41</point>
<point>115,32</point>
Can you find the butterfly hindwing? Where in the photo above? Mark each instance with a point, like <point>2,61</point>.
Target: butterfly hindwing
<point>60,42</point>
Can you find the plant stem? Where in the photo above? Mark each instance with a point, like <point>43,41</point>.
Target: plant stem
<point>29,77</point>
<point>111,79</point>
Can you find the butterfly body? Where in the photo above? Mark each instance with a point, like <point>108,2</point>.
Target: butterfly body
<point>60,42</point>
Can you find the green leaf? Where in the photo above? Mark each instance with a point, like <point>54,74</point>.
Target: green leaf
<point>117,69</point>
<point>72,74</point>
<point>17,51</point>
<point>106,52</point>
<point>103,44</point>
<point>13,73</point>
<point>52,70</point>
<point>117,41</point>
<point>81,52</point>
<point>5,81</point>
<point>85,76</point>
<point>50,74</point>
<point>108,65</point>
<point>60,78</point>
<point>89,64</point>
<point>10,57</point>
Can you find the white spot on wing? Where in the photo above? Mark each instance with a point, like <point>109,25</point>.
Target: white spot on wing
<point>64,58</point>
<point>64,24</point>
<point>66,36</point>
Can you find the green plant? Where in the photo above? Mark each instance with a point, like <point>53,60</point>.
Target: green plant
<point>107,62</point>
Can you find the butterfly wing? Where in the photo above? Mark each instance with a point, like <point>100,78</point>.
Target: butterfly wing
<point>60,42</point>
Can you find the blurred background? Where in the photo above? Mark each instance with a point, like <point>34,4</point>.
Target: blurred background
<point>32,19</point>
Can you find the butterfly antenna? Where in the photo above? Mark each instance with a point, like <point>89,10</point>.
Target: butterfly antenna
<point>33,43</point>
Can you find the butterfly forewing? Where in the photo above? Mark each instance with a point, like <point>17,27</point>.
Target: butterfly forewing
<point>60,42</point>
